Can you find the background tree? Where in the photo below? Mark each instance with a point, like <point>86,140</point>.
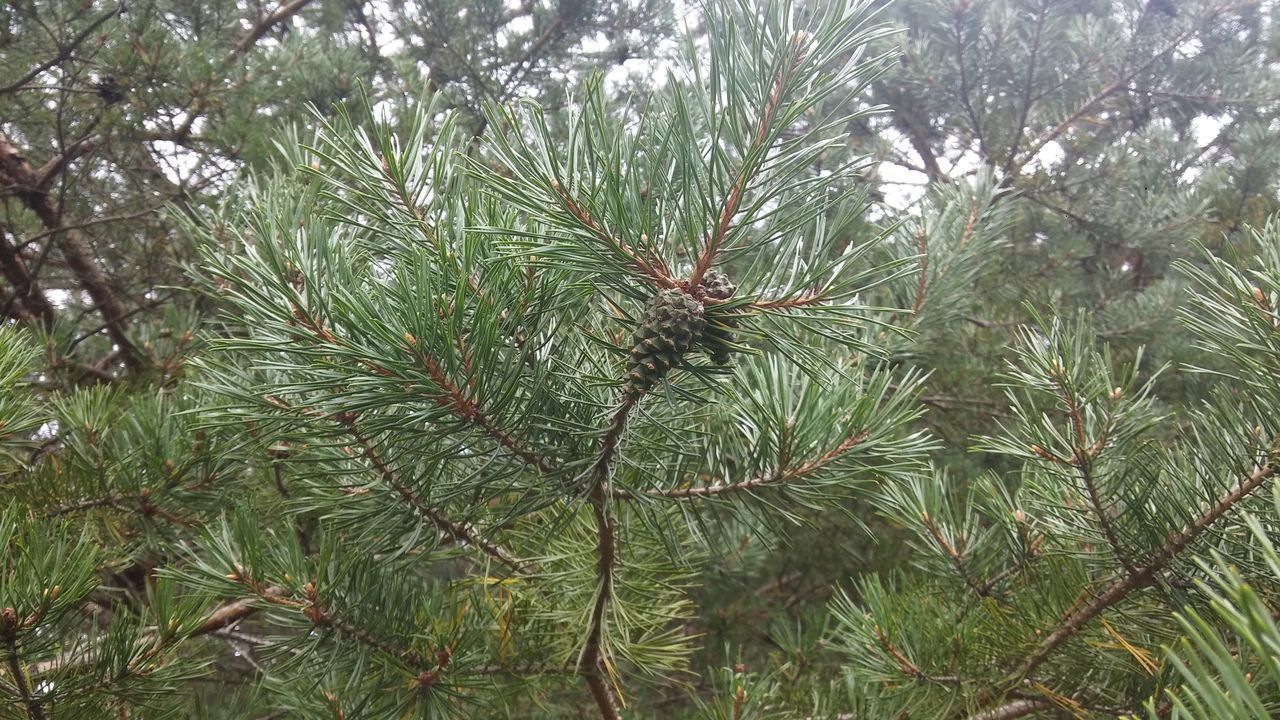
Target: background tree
<point>117,111</point>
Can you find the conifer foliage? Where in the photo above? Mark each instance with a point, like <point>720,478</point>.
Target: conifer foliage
<point>491,404</point>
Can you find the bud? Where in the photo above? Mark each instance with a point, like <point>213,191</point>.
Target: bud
<point>1114,394</point>
<point>1258,297</point>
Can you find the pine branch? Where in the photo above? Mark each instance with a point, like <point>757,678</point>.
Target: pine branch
<point>966,101</point>
<point>9,625</point>
<point>1012,710</point>
<point>453,398</point>
<point>1027,87</point>
<point>733,199</point>
<point>232,613</point>
<point>915,128</point>
<point>962,569</point>
<point>246,43</point>
<point>778,476</point>
<point>655,269</point>
<point>264,26</point>
<point>1122,586</point>
<point>1120,83</point>
<point>1082,458</point>
<point>909,668</point>
<point>27,292</point>
<point>922,279</point>
<point>459,531</point>
<point>455,530</point>
<point>590,661</point>
<point>467,410</point>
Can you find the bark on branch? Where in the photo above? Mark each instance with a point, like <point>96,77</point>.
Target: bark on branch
<point>17,174</point>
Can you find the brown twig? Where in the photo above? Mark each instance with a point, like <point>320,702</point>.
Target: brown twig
<point>1122,586</point>
<point>954,554</point>
<point>909,668</point>
<point>65,50</point>
<point>1107,91</point>
<point>1028,86</point>
<point>27,293</point>
<point>232,613</point>
<point>17,173</point>
<point>457,402</point>
<point>256,33</point>
<point>1082,460</point>
<point>452,398</point>
<point>733,200</point>
<point>591,659</point>
<point>457,530</point>
<point>655,269</point>
<point>10,623</point>
<point>1012,710</point>
<point>922,280</point>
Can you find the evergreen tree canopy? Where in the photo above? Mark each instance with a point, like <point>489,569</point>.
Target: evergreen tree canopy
<point>556,359</point>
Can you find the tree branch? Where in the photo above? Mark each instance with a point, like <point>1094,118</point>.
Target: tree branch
<point>1028,85</point>
<point>457,530</point>
<point>9,627</point>
<point>733,199</point>
<point>1121,587</point>
<point>656,270</point>
<point>780,476</point>
<point>17,173</point>
<point>264,26</point>
<point>1107,91</point>
<point>1082,460</point>
<point>1015,709</point>
<point>65,51</point>
<point>27,292</point>
<point>590,661</point>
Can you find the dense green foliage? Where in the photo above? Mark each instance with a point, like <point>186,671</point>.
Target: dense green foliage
<point>910,360</point>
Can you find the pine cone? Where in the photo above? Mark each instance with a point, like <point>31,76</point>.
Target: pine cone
<point>718,339</point>
<point>717,285</point>
<point>671,326</point>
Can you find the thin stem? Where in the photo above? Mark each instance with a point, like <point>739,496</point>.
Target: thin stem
<point>17,172</point>
<point>590,662</point>
<point>778,476</point>
<point>1082,459</point>
<point>65,50</point>
<point>35,709</point>
<point>909,668</point>
<point>1027,87</point>
<point>922,280</point>
<point>733,199</point>
<point>460,531</point>
<point>1012,710</point>
<point>656,270</point>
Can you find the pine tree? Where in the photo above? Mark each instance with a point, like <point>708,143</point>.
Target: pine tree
<point>511,399</point>
<point>122,117</point>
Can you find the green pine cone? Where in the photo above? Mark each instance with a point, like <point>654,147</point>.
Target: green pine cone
<point>672,325</point>
<point>718,339</point>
